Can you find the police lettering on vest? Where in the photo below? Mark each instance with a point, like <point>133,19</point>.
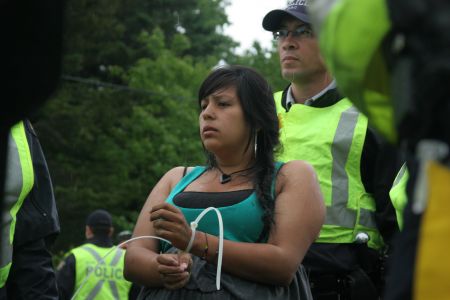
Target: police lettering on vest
<point>105,272</point>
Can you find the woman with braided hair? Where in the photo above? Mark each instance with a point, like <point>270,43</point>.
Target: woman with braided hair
<point>272,211</point>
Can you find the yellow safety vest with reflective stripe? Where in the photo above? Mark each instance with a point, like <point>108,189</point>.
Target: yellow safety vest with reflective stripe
<point>350,43</point>
<point>105,281</point>
<point>351,34</point>
<point>331,139</point>
<point>398,194</point>
<point>18,183</point>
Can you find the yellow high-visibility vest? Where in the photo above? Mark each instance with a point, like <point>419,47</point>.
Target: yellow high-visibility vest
<point>106,279</point>
<point>331,139</point>
<point>18,183</point>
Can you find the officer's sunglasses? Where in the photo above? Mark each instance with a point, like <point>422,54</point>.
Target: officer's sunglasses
<point>300,32</point>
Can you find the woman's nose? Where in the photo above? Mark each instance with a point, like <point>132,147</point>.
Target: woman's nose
<point>208,112</point>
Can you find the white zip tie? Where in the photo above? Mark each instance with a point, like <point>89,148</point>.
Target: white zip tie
<point>219,259</point>
<point>191,241</point>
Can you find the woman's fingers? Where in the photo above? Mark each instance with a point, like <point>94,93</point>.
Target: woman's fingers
<point>174,278</point>
<point>167,215</point>
<point>167,260</point>
<point>171,264</point>
<point>164,208</point>
<point>173,274</point>
<point>176,283</point>
<point>185,260</point>
<point>169,223</point>
<point>173,232</point>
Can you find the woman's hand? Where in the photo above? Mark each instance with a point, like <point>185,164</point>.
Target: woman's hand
<point>174,269</point>
<point>169,223</point>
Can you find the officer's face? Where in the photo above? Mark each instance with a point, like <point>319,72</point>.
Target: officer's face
<point>299,52</point>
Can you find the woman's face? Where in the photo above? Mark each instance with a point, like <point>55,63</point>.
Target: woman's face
<point>222,125</point>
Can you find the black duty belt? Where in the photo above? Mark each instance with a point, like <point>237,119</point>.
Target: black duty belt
<point>329,284</point>
<point>355,285</point>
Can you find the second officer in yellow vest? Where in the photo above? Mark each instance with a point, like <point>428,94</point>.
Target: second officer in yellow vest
<point>323,128</point>
<point>105,279</point>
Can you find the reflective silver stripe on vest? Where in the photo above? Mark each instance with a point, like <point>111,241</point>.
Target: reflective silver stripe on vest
<point>367,218</point>
<point>400,175</point>
<point>13,188</point>
<point>100,261</point>
<point>116,258</point>
<point>95,290</point>
<point>115,291</point>
<point>337,213</point>
<point>94,253</point>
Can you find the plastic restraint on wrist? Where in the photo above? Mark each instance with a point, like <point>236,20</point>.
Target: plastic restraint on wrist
<point>193,227</point>
<point>191,241</point>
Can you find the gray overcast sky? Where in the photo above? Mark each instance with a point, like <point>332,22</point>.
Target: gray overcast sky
<point>246,18</point>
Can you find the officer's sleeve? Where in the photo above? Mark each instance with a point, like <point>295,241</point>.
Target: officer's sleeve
<point>380,163</point>
<point>38,217</point>
<point>65,277</point>
<point>32,275</point>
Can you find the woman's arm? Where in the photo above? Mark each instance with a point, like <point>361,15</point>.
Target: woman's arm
<point>143,264</point>
<point>299,215</point>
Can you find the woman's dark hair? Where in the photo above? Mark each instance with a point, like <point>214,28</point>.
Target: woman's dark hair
<point>258,105</point>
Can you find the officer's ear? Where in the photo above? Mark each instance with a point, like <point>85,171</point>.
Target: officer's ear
<point>111,231</point>
<point>88,232</point>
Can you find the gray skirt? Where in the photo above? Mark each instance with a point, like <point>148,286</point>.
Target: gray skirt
<point>202,285</point>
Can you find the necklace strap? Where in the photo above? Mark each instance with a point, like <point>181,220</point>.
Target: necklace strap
<point>224,178</point>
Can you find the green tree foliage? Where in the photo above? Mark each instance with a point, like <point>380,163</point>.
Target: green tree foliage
<point>127,110</point>
<point>107,147</point>
<point>104,34</point>
<point>266,61</point>
<point>93,36</point>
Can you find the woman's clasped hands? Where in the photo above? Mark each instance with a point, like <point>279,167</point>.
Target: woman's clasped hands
<point>170,224</point>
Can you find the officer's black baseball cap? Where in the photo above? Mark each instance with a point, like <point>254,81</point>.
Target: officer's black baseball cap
<point>296,9</point>
<point>99,217</point>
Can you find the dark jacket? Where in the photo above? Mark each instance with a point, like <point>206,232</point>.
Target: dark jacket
<point>32,275</point>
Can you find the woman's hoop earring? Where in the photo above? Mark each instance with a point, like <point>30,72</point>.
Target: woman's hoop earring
<point>256,143</point>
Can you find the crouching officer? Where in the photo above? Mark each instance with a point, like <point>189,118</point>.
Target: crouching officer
<point>86,272</point>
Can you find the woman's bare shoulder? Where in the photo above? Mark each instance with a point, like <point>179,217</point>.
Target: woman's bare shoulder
<point>297,168</point>
<point>174,175</point>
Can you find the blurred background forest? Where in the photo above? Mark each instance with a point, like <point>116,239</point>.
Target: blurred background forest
<point>126,109</point>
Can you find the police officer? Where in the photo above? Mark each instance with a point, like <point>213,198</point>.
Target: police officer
<point>87,272</point>
<point>397,72</point>
<point>320,126</point>
<point>29,222</point>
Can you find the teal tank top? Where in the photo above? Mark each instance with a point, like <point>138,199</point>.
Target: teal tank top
<point>242,222</point>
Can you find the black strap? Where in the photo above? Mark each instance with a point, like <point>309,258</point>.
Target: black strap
<point>184,171</point>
